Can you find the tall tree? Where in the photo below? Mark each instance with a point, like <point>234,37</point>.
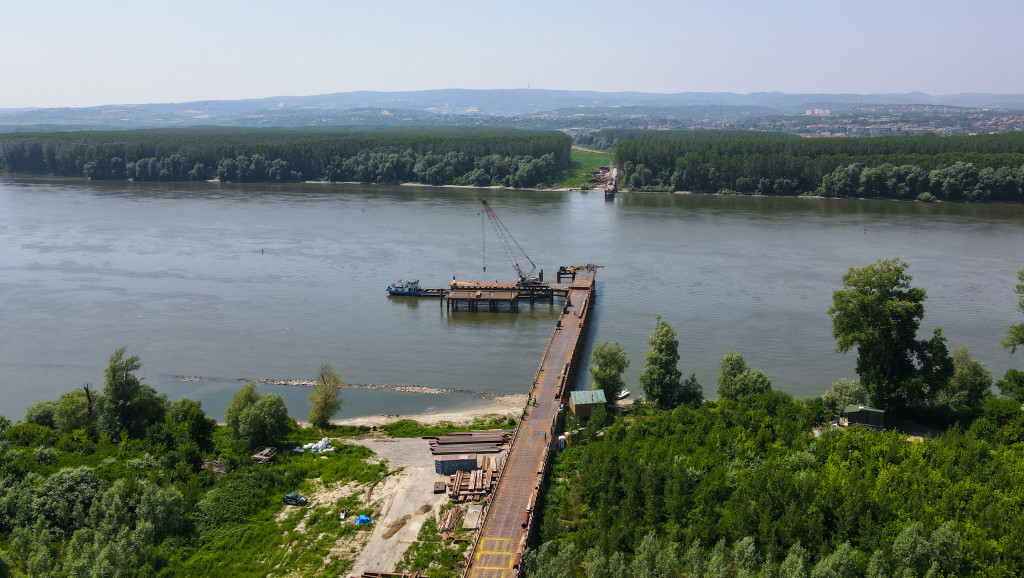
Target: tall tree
<point>878,312</point>
<point>731,365</point>
<point>325,399</point>
<point>736,379</point>
<point>971,380</point>
<point>607,362</point>
<point>187,422</point>
<point>265,422</point>
<point>661,377</point>
<point>256,418</point>
<point>1012,385</point>
<point>843,393</point>
<point>1015,334</point>
<point>126,404</point>
<point>241,400</point>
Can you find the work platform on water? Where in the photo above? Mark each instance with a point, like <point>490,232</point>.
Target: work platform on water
<point>496,296</point>
<point>497,551</point>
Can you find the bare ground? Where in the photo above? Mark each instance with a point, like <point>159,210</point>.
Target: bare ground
<point>407,495</point>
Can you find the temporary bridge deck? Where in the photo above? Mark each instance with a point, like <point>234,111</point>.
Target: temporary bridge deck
<point>498,549</point>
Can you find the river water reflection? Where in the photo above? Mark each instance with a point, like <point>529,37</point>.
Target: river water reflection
<point>237,282</point>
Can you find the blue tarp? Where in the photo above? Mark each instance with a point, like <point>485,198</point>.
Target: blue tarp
<point>363,519</point>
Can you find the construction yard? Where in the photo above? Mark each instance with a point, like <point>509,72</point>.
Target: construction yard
<point>408,497</point>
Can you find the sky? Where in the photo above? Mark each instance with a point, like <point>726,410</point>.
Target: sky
<point>74,53</point>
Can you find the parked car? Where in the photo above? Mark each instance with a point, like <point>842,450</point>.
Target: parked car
<point>295,499</point>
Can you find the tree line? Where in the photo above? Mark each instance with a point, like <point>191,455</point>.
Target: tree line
<point>973,168</point>
<point>757,483</point>
<point>453,155</point>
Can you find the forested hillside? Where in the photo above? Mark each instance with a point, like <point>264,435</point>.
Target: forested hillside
<point>435,156</point>
<point>969,168</point>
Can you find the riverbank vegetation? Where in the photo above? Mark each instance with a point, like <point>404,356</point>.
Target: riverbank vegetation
<point>433,156</point>
<point>956,168</point>
<point>123,482</point>
<point>757,483</point>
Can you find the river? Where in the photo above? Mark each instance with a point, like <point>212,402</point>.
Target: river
<point>237,282</point>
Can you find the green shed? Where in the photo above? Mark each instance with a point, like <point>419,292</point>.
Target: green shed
<point>583,401</point>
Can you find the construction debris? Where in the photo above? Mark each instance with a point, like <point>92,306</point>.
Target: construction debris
<point>324,445</point>
<point>219,467</point>
<point>474,442</point>
<point>450,520</point>
<point>475,485</point>
<point>264,454</point>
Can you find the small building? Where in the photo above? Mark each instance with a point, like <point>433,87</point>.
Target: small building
<point>448,465</point>
<point>583,401</point>
<point>863,416</point>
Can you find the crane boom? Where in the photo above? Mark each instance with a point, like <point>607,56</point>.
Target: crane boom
<point>500,229</point>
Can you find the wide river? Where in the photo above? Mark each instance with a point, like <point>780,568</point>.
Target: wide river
<point>239,282</point>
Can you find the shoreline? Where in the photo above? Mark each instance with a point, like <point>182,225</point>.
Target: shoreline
<point>502,405</point>
<point>503,188</point>
<point>490,403</point>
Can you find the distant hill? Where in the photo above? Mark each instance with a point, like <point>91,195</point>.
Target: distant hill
<point>455,106</point>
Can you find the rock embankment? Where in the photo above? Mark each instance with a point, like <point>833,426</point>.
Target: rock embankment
<point>401,388</point>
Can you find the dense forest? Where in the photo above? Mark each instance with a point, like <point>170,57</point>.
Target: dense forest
<point>928,168</point>
<point>435,156</point>
<point>744,488</point>
<point>757,483</point>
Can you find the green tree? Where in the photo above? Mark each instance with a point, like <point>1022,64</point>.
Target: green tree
<point>242,400</point>
<point>1012,385</point>
<point>65,498</point>
<point>42,413</point>
<point>126,404</point>
<point>842,393</point>
<point>660,377</point>
<point>265,422</point>
<point>736,379</point>
<point>188,423</point>
<point>841,563</point>
<point>1015,334</point>
<point>730,367</point>
<point>690,392</point>
<point>325,399</point>
<point>74,411</point>
<point>607,362</point>
<point>655,558</point>
<point>971,380</point>
<point>878,312</point>
<point>795,563</point>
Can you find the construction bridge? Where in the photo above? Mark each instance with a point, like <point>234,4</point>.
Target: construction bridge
<point>498,549</point>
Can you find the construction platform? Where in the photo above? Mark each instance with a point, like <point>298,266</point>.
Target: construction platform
<point>498,549</point>
<point>497,296</point>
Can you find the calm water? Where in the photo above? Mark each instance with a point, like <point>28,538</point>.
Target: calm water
<point>241,282</point>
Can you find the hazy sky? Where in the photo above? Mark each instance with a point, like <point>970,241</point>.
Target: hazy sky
<point>76,53</point>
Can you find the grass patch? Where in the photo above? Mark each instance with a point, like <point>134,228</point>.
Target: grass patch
<point>407,428</point>
<point>580,165</point>
<point>433,556</point>
<point>301,436</point>
<point>238,530</point>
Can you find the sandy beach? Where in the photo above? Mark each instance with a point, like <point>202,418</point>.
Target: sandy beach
<point>501,406</point>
